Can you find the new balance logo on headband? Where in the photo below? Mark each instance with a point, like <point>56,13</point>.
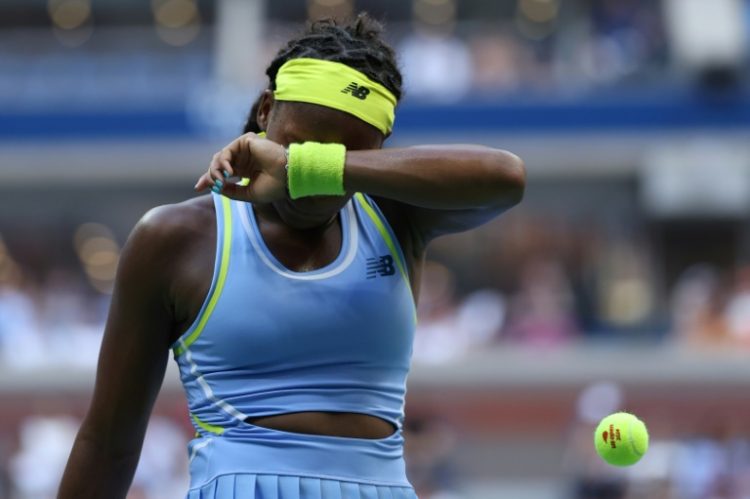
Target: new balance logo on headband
<point>358,91</point>
<point>382,265</point>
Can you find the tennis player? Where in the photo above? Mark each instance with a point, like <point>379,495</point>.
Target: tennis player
<point>288,299</point>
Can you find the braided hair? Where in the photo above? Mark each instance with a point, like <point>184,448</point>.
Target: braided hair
<point>357,44</point>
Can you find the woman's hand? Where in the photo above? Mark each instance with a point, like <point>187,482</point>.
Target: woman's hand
<point>260,160</point>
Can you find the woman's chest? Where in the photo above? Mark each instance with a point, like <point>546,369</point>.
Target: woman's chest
<point>265,319</point>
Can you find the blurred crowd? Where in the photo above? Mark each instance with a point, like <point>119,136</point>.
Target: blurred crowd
<point>32,466</point>
<point>52,324</point>
<point>544,284</point>
<point>539,50</point>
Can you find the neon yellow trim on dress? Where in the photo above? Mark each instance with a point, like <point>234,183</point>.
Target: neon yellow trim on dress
<point>225,251</point>
<point>217,430</point>
<point>388,241</point>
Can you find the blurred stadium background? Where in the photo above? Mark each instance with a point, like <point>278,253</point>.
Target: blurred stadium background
<point>621,282</point>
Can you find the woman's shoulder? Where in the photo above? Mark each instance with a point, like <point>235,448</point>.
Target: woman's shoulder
<point>166,232</point>
<point>172,225</point>
<point>179,219</point>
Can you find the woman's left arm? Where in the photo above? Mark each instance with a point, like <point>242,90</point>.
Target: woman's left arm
<point>440,189</point>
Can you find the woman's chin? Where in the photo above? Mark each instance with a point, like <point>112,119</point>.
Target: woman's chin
<point>310,212</point>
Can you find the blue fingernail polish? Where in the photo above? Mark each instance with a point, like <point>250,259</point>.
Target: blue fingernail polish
<point>219,183</point>
<point>216,189</point>
<point>226,174</point>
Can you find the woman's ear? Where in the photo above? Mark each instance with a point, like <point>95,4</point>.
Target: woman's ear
<point>265,108</point>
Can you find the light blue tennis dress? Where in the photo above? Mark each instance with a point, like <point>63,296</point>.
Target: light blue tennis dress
<point>269,340</point>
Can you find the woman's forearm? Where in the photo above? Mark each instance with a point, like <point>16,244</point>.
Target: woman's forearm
<point>440,177</point>
<point>94,472</point>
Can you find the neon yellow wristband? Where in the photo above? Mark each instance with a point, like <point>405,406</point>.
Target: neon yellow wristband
<point>316,169</point>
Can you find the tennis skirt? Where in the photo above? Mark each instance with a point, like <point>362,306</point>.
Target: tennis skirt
<point>252,462</point>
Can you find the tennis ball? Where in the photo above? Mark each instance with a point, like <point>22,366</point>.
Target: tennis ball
<point>621,439</point>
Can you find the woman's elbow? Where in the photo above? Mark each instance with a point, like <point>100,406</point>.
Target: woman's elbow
<point>511,177</point>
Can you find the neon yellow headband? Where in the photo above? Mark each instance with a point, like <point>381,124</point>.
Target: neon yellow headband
<point>336,85</point>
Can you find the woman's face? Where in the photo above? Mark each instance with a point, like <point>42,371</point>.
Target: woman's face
<point>289,122</point>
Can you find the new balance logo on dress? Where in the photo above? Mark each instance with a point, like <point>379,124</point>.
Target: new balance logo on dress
<point>383,266</point>
<point>357,91</point>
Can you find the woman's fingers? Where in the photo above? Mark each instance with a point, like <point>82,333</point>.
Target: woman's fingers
<point>214,178</point>
<point>218,172</point>
<point>220,168</point>
<point>204,182</point>
<point>226,169</point>
<point>233,160</point>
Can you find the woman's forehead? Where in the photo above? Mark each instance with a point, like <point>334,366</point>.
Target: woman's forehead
<point>301,121</point>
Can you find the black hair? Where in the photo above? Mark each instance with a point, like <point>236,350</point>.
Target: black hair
<point>358,44</point>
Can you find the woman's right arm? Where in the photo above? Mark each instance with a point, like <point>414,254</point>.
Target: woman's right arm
<point>132,362</point>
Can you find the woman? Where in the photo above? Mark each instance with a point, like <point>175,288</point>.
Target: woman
<point>294,345</point>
